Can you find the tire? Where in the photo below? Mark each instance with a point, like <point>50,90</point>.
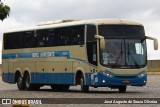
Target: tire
<point>84,88</point>
<point>122,89</point>
<point>27,82</point>
<point>60,88</point>
<point>20,83</point>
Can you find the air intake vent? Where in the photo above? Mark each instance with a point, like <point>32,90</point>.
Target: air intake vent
<point>57,22</point>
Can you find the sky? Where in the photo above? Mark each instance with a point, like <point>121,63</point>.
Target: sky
<point>31,12</point>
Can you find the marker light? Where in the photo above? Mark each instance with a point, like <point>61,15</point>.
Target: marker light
<point>108,74</point>
<point>141,74</point>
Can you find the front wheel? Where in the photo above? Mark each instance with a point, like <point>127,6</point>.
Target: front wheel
<point>122,89</point>
<point>84,88</point>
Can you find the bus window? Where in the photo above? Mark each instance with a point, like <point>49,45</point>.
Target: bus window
<point>42,38</point>
<point>91,32</point>
<point>28,39</point>
<point>91,44</point>
<point>12,41</point>
<point>92,52</point>
<point>69,36</point>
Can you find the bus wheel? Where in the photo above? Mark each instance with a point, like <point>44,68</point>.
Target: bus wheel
<point>84,88</point>
<point>20,83</point>
<point>122,89</point>
<point>28,85</point>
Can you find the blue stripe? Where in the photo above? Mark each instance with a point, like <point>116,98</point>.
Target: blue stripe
<point>52,78</point>
<point>64,53</point>
<point>44,78</point>
<point>25,55</point>
<point>8,56</point>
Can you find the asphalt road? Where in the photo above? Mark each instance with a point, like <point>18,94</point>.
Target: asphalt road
<point>151,90</point>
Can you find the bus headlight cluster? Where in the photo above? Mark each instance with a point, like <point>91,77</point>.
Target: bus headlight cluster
<point>141,74</point>
<point>108,74</point>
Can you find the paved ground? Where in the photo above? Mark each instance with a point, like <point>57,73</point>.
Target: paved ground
<point>151,90</point>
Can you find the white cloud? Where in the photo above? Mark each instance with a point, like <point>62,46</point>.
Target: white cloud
<point>30,12</point>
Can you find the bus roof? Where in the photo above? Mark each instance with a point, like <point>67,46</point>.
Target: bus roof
<point>72,22</point>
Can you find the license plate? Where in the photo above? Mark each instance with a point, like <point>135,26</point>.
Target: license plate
<point>126,81</point>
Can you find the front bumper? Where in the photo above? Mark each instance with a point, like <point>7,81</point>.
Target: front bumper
<point>101,80</point>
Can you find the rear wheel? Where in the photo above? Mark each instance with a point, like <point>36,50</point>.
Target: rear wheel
<point>84,88</point>
<point>28,85</point>
<point>122,89</point>
<point>20,83</point>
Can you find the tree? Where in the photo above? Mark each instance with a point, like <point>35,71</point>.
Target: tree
<point>4,11</point>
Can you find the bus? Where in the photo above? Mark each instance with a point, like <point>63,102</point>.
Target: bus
<point>90,53</point>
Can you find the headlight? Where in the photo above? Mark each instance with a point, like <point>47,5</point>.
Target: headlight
<point>108,74</point>
<point>141,74</point>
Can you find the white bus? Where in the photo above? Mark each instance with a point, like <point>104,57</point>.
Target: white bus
<point>98,53</point>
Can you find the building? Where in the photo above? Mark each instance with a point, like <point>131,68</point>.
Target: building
<point>154,65</point>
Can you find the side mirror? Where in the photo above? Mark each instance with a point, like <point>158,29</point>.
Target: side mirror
<point>101,40</point>
<point>154,41</point>
<point>155,44</point>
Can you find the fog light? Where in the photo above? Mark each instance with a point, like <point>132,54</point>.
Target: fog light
<point>103,81</point>
<point>144,81</point>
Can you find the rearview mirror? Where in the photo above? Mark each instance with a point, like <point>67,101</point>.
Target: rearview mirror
<point>101,41</point>
<point>154,41</point>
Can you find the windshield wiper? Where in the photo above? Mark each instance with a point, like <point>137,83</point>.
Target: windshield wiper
<point>120,54</point>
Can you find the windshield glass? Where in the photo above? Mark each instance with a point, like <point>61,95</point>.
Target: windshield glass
<point>122,31</point>
<point>124,53</point>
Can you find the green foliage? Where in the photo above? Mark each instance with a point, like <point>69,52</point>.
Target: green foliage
<point>4,11</point>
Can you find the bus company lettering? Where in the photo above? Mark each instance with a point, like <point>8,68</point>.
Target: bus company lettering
<point>35,55</point>
<point>47,54</point>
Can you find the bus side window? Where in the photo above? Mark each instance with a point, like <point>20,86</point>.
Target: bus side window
<point>12,41</point>
<point>42,38</point>
<point>29,39</point>
<point>51,39</point>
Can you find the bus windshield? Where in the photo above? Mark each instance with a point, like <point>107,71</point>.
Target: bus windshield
<point>125,46</point>
<point>122,31</point>
<point>124,53</point>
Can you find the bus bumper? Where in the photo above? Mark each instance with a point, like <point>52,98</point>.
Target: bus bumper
<point>101,80</point>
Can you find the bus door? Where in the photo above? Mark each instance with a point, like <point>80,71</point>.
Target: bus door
<point>92,58</point>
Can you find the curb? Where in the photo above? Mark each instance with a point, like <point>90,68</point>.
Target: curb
<point>153,73</point>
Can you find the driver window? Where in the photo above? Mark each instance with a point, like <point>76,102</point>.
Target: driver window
<point>92,52</point>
